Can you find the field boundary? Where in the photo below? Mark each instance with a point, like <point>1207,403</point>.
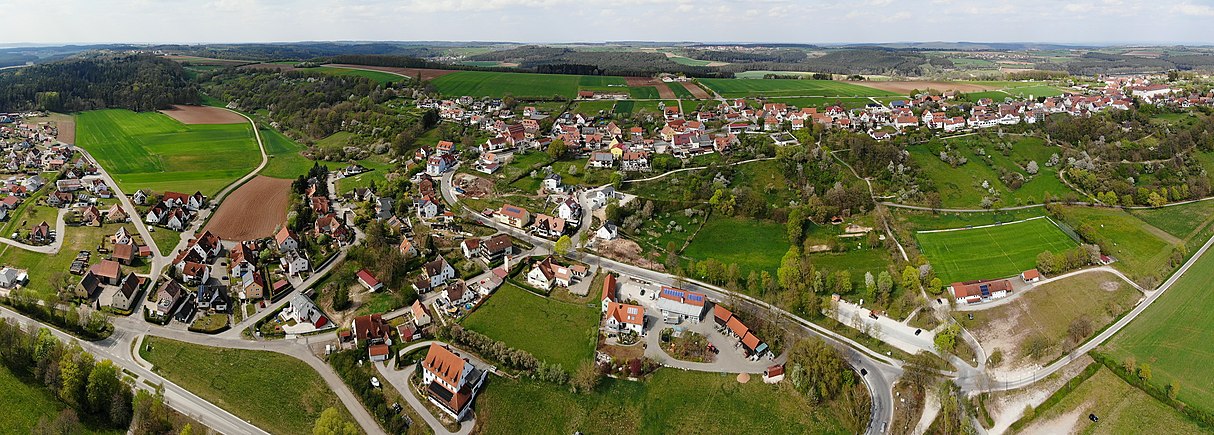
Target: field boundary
<point>946,230</point>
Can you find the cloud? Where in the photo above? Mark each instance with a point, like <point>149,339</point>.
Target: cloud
<point>1193,10</point>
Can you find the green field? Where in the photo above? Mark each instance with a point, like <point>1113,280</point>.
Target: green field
<point>688,61</point>
<point>671,401</point>
<point>284,158</point>
<point>923,220</point>
<point>733,88</point>
<point>566,335</point>
<point>1122,408</point>
<point>276,392</point>
<point>644,92</point>
<point>822,102</point>
<point>1188,222</point>
<point>377,76</point>
<point>378,174</point>
<point>992,252</point>
<point>499,84</point>
<point>961,186</point>
<point>752,244</point>
<point>1174,336</point>
<point>592,108</point>
<point>1048,310</point>
<point>153,151</point>
<point>627,107</point>
<point>25,404</point>
<point>42,267</point>
<point>758,74</point>
<point>1140,249</point>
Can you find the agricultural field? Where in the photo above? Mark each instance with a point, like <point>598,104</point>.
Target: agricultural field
<point>275,392</point>
<point>1048,311</point>
<point>285,161</point>
<point>1122,409</point>
<point>592,108</point>
<point>1174,336</point>
<point>822,102</point>
<point>991,252</point>
<point>1141,250</point>
<point>252,211</point>
<point>377,76</point>
<point>1188,222</point>
<point>628,107</point>
<point>752,244</point>
<point>500,84</point>
<point>758,74</point>
<point>734,88</point>
<point>923,220</point>
<point>962,186</point>
<point>153,151</point>
<point>659,405</point>
<point>568,335</point>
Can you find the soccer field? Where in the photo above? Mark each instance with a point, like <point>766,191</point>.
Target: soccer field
<point>150,150</point>
<point>991,252</point>
<point>734,88</point>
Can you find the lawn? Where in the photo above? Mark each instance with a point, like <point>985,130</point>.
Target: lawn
<point>924,220</point>
<point>276,392</point>
<point>500,84</point>
<point>566,332</point>
<point>166,240</point>
<point>285,161</point>
<point>1174,336</point>
<point>752,244</point>
<point>671,401</point>
<point>378,76</point>
<point>1140,249</point>
<point>855,261</point>
<point>42,267</point>
<point>378,174</point>
<point>992,252</point>
<point>592,108</point>
<point>1122,408</point>
<point>1048,310</point>
<point>734,88</point>
<point>150,150</point>
<point>25,403</point>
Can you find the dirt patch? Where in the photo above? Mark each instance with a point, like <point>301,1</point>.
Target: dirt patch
<point>1062,424</point>
<point>904,87</point>
<point>626,251</point>
<point>1110,286</point>
<point>426,73</point>
<point>253,211</point>
<point>1008,406</point>
<point>203,115</point>
<point>743,378</point>
<point>65,124</point>
<point>696,90</point>
<point>663,91</point>
<point>473,186</point>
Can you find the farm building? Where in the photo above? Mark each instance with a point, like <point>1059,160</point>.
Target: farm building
<point>678,305</point>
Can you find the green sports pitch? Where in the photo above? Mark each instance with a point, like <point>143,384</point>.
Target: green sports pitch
<point>150,150</point>
<point>991,252</point>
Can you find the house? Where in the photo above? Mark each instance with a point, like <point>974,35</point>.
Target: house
<point>88,286</point>
<point>678,305</point>
<point>569,210</point>
<point>970,292</point>
<point>548,226</point>
<point>378,352</point>
<point>140,197</point>
<point>286,240</point>
<point>609,285</point>
<point>471,247</point>
<point>252,285</point>
<point>107,271</point>
<point>434,273</point>
<point>294,263</point>
<point>1031,275</point>
<point>496,247</point>
<point>41,233</point>
<point>120,237</point>
<point>458,294</point>
<point>123,253</point>
<point>451,382</point>
<point>383,208</point>
<point>421,317</point>
<point>607,232</point>
<point>194,273</point>
<point>427,207</point>
<point>243,258</point>
<point>127,294</point>
<point>407,248</point>
<point>546,274</point>
<point>625,318</point>
<point>116,214</point>
<point>213,297</point>
<point>637,161</point>
<point>514,216</point>
<point>303,310</point>
<point>368,281</point>
<point>371,329</point>
<point>168,298</point>
<point>599,198</point>
<point>11,277</point>
<point>438,164</point>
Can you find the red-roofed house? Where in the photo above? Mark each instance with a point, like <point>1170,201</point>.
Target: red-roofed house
<point>1031,275</point>
<point>970,292</point>
<point>451,381</point>
<point>625,317</point>
<point>367,280</point>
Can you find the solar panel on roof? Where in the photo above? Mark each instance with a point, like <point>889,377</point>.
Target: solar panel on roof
<point>695,297</point>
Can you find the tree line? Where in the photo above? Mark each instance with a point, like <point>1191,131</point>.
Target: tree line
<point>136,82</point>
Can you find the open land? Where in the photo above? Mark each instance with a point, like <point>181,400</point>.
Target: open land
<point>203,115</point>
<point>285,160</point>
<point>568,337</point>
<point>734,88</point>
<point>1141,250</point>
<point>65,124</point>
<point>906,86</point>
<point>153,151</point>
<point>24,404</point>
<point>426,73</point>
<point>252,211</point>
<point>991,252</point>
<point>753,245</point>
<point>1122,409</point>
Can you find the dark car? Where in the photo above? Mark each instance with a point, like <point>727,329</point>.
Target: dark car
<point>1093,417</point>
<point>863,372</point>
<point>917,331</point>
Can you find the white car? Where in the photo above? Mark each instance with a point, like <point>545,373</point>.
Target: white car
<point>375,382</point>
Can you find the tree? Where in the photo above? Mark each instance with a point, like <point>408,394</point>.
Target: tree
<point>946,339</point>
<point>617,179</point>
<point>586,377</point>
<point>74,369</point>
<point>103,383</point>
<point>1032,168</point>
<point>557,149</point>
<point>562,246</point>
<point>1173,389</point>
<point>331,422</point>
<point>188,429</point>
<point>935,286</point>
<point>1155,200</point>
<point>790,269</point>
<point>870,284</point>
<point>1144,372</point>
<point>795,225</point>
<point>910,278</point>
<point>885,284</point>
<point>1047,263</point>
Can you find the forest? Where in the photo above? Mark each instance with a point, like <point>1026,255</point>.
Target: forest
<point>135,82</point>
<point>614,63</point>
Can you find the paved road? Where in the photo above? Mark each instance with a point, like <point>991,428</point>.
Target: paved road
<point>400,380</point>
<point>1018,294</point>
<point>52,248</point>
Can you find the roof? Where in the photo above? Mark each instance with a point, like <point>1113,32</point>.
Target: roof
<point>609,287</point>
<point>625,313</point>
<point>1031,274</point>
<point>124,250</point>
<point>372,326</point>
<point>106,269</point>
<point>498,243</point>
<point>750,341</point>
<point>683,296</point>
<point>721,313</point>
<point>514,211</point>
<point>419,309</point>
<point>378,350</point>
<point>365,276</point>
<point>978,288</point>
<point>444,363</point>
<point>737,327</point>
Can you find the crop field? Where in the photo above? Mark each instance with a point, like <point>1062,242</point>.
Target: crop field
<point>567,337</point>
<point>644,92</point>
<point>378,76</point>
<point>660,405</point>
<point>1122,408</point>
<point>153,151</point>
<point>991,252</point>
<point>1140,249</point>
<point>996,96</point>
<point>252,211</point>
<point>1048,310</point>
<point>1037,91</point>
<point>822,102</point>
<point>752,244</point>
<point>592,108</point>
<point>500,84</point>
<point>275,392</point>
<point>627,107</point>
<point>962,186</point>
<point>1188,222</point>
<point>734,88</point>
<point>758,74</point>
<point>1174,336</point>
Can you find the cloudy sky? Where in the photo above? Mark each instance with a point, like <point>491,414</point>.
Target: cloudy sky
<point>804,21</point>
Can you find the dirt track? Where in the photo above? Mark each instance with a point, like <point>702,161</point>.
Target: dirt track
<point>252,211</point>
<point>203,115</point>
<point>904,87</point>
<point>426,73</point>
<point>696,90</point>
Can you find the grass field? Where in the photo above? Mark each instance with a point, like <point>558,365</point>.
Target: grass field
<point>592,108</point>
<point>499,84</point>
<point>1141,249</point>
<point>822,102</point>
<point>753,245</point>
<point>627,107</point>
<point>284,158</point>
<point>276,392</point>
<point>672,401</point>
<point>993,252</point>
<point>1122,409</point>
<point>567,336</point>
<point>758,74</point>
<point>923,220</point>
<point>1188,222</point>
<point>42,267</point>
<point>961,186</point>
<point>25,404</point>
<point>1048,310</point>
<point>153,151</point>
<point>378,76</point>
<point>378,174</point>
<point>1174,336</point>
<point>733,88</point>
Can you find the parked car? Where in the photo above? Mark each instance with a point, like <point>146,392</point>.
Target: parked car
<point>375,382</point>
<point>917,331</point>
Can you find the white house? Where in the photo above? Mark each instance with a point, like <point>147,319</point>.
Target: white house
<point>451,381</point>
<point>286,240</point>
<point>599,198</point>
<point>625,317</point>
<point>546,274</point>
<point>294,263</point>
<point>434,274</point>
<point>607,232</point>
<point>971,292</point>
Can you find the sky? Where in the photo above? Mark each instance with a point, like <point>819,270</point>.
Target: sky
<point>793,21</point>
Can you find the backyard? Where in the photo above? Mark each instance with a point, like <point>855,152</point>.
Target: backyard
<point>554,331</point>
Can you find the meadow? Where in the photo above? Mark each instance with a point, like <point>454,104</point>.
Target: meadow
<point>734,88</point>
<point>1140,249</point>
<point>1188,222</point>
<point>500,84</point>
<point>1122,408</point>
<point>25,404</point>
<point>671,401</point>
<point>273,391</point>
<point>284,158</point>
<point>566,332</point>
<point>992,252</point>
<point>961,186</point>
<point>153,151</point>
<point>924,220</point>
<point>377,76</point>
<point>822,102</point>
<point>752,244</point>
